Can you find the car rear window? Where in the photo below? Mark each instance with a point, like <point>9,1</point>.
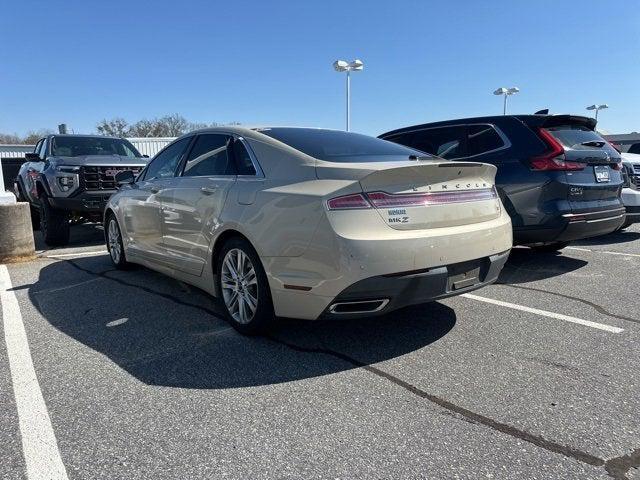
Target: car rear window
<point>339,146</point>
<point>572,136</point>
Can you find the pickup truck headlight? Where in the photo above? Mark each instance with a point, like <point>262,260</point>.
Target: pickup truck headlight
<point>66,183</point>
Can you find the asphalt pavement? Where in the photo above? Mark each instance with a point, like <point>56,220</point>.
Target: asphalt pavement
<point>135,376</point>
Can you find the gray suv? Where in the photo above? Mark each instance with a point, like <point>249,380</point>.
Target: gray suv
<point>70,178</point>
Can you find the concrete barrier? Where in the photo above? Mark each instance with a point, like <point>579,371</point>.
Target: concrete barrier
<point>16,235</point>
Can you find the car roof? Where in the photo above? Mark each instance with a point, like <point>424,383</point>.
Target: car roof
<point>537,119</point>
<point>73,135</point>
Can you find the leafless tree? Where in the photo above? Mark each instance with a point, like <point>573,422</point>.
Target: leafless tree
<point>116,127</point>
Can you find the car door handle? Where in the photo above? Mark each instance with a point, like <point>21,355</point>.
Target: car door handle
<point>154,189</point>
<point>207,190</point>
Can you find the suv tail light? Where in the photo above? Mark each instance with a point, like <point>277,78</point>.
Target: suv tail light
<point>554,157</point>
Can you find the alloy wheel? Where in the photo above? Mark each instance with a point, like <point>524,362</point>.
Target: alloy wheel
<point>113,236</point>
<point>239,286</point>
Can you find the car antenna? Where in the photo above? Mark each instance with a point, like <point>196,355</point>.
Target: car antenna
<point>544,111</point>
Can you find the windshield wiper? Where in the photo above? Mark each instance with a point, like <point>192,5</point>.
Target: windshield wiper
<point>593,143</point>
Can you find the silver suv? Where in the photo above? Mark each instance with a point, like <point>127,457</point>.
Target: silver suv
<point>71,177</point>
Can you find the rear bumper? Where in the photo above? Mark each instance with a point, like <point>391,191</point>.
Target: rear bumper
<point>89,202</point>
<point>413,288</point>
<point>573,226</point>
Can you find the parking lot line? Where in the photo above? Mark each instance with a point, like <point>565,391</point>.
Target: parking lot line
<point>603,251</point>
<point>39,445</point>
<point>545,313</point>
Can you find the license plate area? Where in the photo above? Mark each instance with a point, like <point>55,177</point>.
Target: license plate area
<point>602,173</point>
<point>463,275</point>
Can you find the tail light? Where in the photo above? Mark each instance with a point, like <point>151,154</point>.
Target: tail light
<point>387,200</point>
<point>617,165</point>
<point>554,157</point>
<point>355,201</point>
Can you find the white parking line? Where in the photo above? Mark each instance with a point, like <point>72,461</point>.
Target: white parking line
<point>545,313</point>
<point>603,251</point>
<point>76,254</point>
<point>39,444</point>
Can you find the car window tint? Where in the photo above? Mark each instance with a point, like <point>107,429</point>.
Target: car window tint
<point>244,165</point>
<point>445,142</point>
<point>209,156</point>
<point>635,148</point>
<point>339,146</point>
<point>482,139</point>
<point>164,164</point>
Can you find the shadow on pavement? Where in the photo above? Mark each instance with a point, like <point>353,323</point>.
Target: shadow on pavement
<point>527,265</point>
<point>621,236</point>
<point>83,235</point>
<point>164,333</point>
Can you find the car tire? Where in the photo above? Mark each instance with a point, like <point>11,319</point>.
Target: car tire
<point>115,246</point>
<point>35,218</point>
<point>54,223</point>
<point>550,247</point>
<point>243,288</point>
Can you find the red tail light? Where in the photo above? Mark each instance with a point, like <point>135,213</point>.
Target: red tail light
<point>554,157</point>
<point>617,166</point>
<point>355,201</point>
<point>388,200</point>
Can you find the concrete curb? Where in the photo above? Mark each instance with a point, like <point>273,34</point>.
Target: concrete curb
<point>16,234</point>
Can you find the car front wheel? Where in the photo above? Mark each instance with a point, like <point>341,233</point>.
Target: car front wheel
<point>114,244</point>
<point>54,223</point>
<point>243,288</point>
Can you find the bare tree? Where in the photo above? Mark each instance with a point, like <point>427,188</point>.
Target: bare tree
<point>116,127</point>
<point>9,138</point>
<point>32,136</point>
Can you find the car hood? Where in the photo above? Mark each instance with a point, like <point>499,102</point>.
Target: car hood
<point>100,160</point>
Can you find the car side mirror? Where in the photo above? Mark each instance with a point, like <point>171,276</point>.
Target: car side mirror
<point>125,177</point>
<point>32,157</point>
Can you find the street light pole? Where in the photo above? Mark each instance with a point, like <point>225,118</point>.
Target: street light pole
<point>349,101</point>
<point>342,66</point>
<point>597,108</point>
<point>506,92</point>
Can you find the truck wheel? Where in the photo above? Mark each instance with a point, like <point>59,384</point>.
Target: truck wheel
<point>54,223</point>
<point>35,218</point>
<point>550,247</point>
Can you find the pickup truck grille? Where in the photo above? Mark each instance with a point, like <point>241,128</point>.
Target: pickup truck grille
<point>102,178</point>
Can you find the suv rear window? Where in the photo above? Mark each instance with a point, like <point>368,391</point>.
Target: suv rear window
<point>339,146</point>
<point>572,136</point>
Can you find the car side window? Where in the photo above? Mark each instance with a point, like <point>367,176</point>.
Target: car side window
<point>209,156</point>
<point>445,142</point>
<point>43,149</point>
<point>482,139</point>
<point>244,165</point>
<point>165,163</point>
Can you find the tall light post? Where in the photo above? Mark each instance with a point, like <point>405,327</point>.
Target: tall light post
<point>354,66</point>
<point>597,108</point>
<point>506,92</point>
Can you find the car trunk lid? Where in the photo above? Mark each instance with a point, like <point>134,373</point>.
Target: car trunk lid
<point>420,194</point>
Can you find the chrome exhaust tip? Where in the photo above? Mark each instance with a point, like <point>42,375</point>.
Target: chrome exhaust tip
<point>362,306</point>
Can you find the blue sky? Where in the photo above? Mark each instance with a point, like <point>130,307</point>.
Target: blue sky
<point>269,62</point>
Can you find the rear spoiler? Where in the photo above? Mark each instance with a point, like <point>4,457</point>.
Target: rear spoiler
<point>544,121</point>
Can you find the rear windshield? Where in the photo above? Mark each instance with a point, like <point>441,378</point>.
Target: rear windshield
<point>339,146</point>
<point>574,136</point>
<point>79,146</point>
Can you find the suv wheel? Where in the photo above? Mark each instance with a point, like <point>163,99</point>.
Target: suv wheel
<point>243,288</point>
<point>550,247</point>
<point>114,243</point>
<point>54,223</point>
